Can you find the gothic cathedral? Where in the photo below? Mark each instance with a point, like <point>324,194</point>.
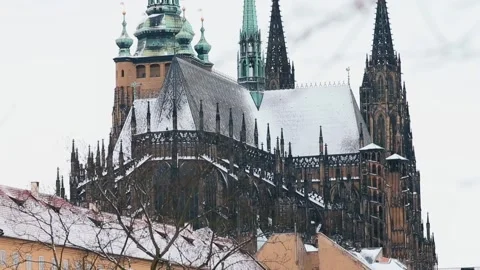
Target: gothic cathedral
<point>259,154</point>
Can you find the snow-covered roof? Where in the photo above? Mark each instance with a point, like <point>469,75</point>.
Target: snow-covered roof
<point>300,112</point>
<point>374,259</point>
<point>37,217</point>
<point>310,248</point>
<point>396,157</point>
<point>370,147</point>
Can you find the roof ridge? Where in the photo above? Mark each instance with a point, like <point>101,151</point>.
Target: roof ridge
<point>321,84</point>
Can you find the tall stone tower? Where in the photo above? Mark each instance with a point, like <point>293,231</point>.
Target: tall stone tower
<point>280,74</point>
<point>383,100</point>
<point>250,62</point>
<point>161,35</point>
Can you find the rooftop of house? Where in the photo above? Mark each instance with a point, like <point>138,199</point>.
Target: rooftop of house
<point>32,216</point>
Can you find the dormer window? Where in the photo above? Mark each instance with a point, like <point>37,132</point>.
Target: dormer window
<point>18,201</point>
<point>189,240</point>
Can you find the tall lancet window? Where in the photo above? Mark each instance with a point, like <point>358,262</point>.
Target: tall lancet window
<point>380,131</point>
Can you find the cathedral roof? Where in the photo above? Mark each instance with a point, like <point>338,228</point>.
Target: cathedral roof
<point>300,112</point>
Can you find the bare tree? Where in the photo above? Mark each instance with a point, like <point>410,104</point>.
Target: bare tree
<point>45,225</point>
<point>137,227</point>
<point>158,207</point>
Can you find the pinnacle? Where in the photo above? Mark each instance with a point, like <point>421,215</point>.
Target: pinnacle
<point>382,49</point>
<point>250,24</point>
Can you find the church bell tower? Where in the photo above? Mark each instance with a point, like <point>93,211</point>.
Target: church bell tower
<point>383,99</point>
<point>250,62</point>
<point>279,72</point>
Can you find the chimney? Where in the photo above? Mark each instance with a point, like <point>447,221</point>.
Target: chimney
<point>34,188</point>
<point>93,207</point>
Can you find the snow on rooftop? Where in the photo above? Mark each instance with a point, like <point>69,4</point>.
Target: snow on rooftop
<point>31,217</point>
<point>371,146</point>
<point>300,112</point>
<point>310,248</point>
<point>396,157</point>
<point>371,253</point>
<point>374,259</point>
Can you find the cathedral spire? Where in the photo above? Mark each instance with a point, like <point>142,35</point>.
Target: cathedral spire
<point>251,68</point>
<point>382,49</point>
<point>279,74</point>
<point>250,25</point>
<point>428,227</point>
<point>57,183</point>
<point>62,190</point>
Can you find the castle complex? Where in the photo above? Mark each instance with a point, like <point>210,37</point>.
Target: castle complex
<point>258,154</point>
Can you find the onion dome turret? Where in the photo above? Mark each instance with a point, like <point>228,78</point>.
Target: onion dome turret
<point>124,42</point>
<point>203,47</point>
<point>184,37</point>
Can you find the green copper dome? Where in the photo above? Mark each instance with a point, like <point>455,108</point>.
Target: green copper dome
<point>203,47</point>
<point>184,37</point>
<point>124,42</point>
<point>156,33</point>
<point>163,6</point>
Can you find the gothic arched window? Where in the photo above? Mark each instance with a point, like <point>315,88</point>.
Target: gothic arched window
<point>211,192</point>
<point>380,87</point>
<point>393,124</point>
<point>391,87</point>
<point>380,131</point>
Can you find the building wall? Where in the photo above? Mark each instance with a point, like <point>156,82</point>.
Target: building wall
<point>150,75</point>
<point>149,78</point>
<point>20,254</point>
<point>283,251</point>
<point>332,257</point>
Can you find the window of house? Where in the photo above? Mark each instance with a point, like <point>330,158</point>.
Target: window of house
<point>28,262</point>
<point>123,73</point>
<point>54,264</point>
<point>155,70</point>
<point>3,258</point>
<point>41,263</point>
<point>141,71</point>
<point>15,259</point>
<point>65,265</point>
<point>78,265</point>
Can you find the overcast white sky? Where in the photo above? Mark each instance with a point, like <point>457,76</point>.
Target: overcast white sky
<point>58,77</point>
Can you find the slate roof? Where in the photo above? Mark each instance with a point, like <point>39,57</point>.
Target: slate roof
<point>192,84</point>
<point>300,112</point>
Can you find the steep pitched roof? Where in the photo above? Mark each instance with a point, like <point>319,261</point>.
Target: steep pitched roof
<point>191,84</point>
<point>300,112</point>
